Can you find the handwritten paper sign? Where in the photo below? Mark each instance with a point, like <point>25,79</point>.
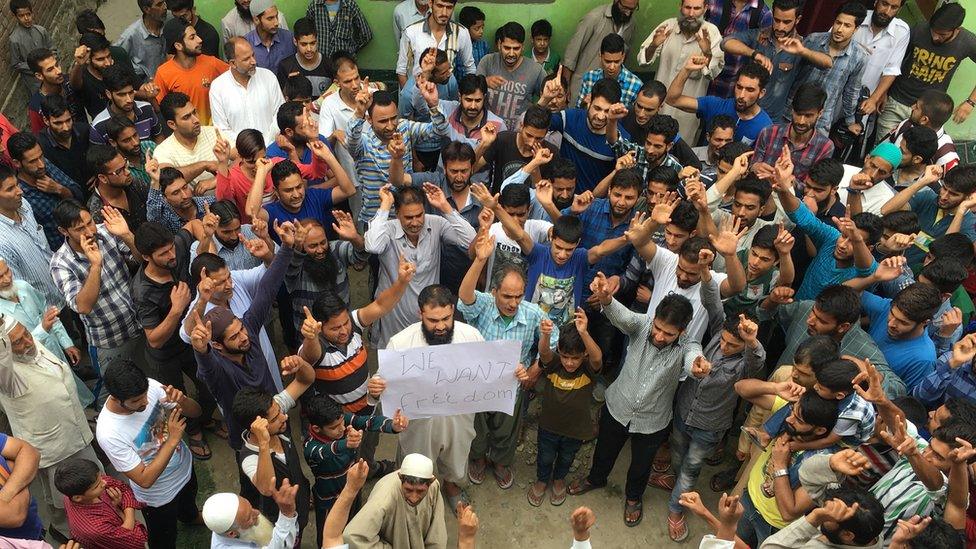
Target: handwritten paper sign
<point>445,380</point>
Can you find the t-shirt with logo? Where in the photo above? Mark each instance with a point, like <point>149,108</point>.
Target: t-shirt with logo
<point>755,291</point>
<point>508,251</point>
<point>928,65</point>
<point>511,99</point>
<point>504,157</point>
<point>556,289</point>
<point>566,399</point>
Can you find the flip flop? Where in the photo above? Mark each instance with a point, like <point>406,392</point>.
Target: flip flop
<point>677,529</point>
<point>664,481</point>
<point>506,479</point>
<point>631,508</point>
<point>201,445</point>
<point>535,498</point>
<point>217,428</point>
<point>476,471</point>
<point>557,498</point>
<point>581,486</point>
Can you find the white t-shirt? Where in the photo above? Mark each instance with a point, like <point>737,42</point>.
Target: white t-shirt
<point>664,266</point>
<point>129,440</point>
<point>509,251</point>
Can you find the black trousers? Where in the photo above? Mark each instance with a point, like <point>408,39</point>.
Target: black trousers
<point>612,437</point>
<point>161,521</point>
<point>170,371</point>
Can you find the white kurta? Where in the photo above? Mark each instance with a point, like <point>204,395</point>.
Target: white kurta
<point>673,55</point>
<point>387,521</point>
<point>236,108</point>
<point>444,439</point>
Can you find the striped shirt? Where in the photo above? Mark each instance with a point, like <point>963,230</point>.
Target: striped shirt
<point>25,249</point>
<point>373,158</point>
<point>342,372</point>
<point>523,327</point>
<point>146,121</point>
<point>728,24</point>
<point>903,495</point>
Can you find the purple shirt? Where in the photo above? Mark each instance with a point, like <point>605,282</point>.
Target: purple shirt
<point>282,47</point>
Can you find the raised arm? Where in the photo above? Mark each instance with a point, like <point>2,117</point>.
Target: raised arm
<point>675,96</point>
<point>726,243</point>
<point>594,355</point>
<point>863,258</point>
<point>509,224</point>
<point>784,246</point>
<point>344,187</point>
<point>901,200</point>
<point>255,195</point>
<point>388,298</point>
<point>484,246</point>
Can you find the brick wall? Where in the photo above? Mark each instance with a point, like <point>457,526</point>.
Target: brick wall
<point>58,17</point>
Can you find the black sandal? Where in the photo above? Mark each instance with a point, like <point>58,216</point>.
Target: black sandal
<point>724,481</point>
<point>201,444</point>
<point>581,486</point>
<point>630,508</point>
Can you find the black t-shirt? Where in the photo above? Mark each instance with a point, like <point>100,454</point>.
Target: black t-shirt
<point>70,161</point>
<point>320,75</point>
<point>566,399</point>
<point>927,65</point>
<point>505,159</point>
<point>152,299</point>
<point>206,32</point>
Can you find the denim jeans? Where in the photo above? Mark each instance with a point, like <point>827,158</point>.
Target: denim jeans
<point>753,528</point>
<point>689,448</point>
<point>555,455</point>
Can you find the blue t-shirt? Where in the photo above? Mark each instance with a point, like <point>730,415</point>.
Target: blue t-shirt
<point>556,289</point>
<point>32,526</point>
<point>274,151</point>
<point>589,151</point>
<point>317,205</point>
<point>925,204</point>
<point>912,359</point>
<point>745,130</point>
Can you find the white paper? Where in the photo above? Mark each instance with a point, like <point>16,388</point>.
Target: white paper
<point>445,380</point>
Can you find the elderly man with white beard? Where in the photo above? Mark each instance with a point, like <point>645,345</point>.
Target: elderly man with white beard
<point>236,524</point>
<point>36,386</point>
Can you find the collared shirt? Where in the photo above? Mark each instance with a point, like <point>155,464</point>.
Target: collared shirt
<point>630,84</point>
<point>729,24</point>
<point>405,14</point>
<point>886,50</point>
<point>43,203</point>
<point>233,25</point>
<point>348,30</point>
<point>112,319</point>
<point>158,210</point>
<point>100,524</point>
<point>269,57</point>
<point>146,50</point>
<point>237,258</point>
<point>523,327</point>
<point>933,223</point>
<point>842,81</point>
<point>945,155</point>
<point>945,382</point>
<point>373,158</point>
<point>21,42</point>
<point>597,227</point>
<point>416,38</point>
<point>303,290</point>
<point>784,73</point>
<point>622,146</point>
<point>147,123</point>
<point>70,160</point>
<point>642,395</point>
<point>457,131</point>
<point>25,248</point>
<point>236,107</point>
<point>771,140</point>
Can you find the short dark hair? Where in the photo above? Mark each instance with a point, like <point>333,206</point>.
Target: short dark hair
<point>570,341</point>
<point>88,21</point>
<point>515,195</point>
<point>787,5</point>
<point>912,409</point>
<point>722,121</point>
<point>559,168</point>
<point>842,303</point>
<point>225,210</point>
<point>409,195</point>
<point>471,83</point>
<point>249,143</point>
<point>828,171</point>
<point>918,301</point>
<point>209,261</point>
<point>816,350</point>
<point>612,43</point>
<point>818,411</point>
<point>457,151</point>
<point>287,113</point>
<point>733,150</point>
<point>469,15</point>
<point>151,236</point>
<point>321,410</point>
<point>868,521</point>
<point>282,170</point>
<point>19,143</point>
<point>937,105</point>
<point>627,179</point>
<point>961,409</point>
<point>663,125</point>
<point>754,70</point>
<point>809,96</point>
<point>341,57</point>
<point>921,141</point>
<point>511,31</point>
<point>303,27</point>
<point>664,174</point>
<point>751,184</point>
<point>568,228</point>
<point>541,27</point>
<point>685,216</point>
<point>953,429</point>
<point>691,247</point>
<point>249,404</point>
<point>54,105</point>
<point>124,380</point>
<point>731,325</point>
<point>73,477</point>
<point>297,86</point>
<point>870,223</point>
<point>67,213</point>
<point>382,98</point>
<point>115,124</point>
<point>168,176</point>
<point>537,116</point>
<point>172,101</point>
<point>961,179</point>
<point>949,16</point>
<point>328,305</point>
<point>35,57</point>
<point>19,5</point>
<point>177,5</point>
<point>116,78</point>
<point>98,156</point>
<point>608,89</point>
<point>674,310</point>
<point>855,10</point>
<point>938,533</point>
<point>655,88</point>
<point>95,42</point>
<point>900,221</point>
<point>945,273</point>
<point>436,295</point>
<point>837,375</point>
<point>765,238</point>
<point>955,245</point>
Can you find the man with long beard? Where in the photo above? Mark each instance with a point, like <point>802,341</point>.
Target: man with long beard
<point>447,439</point>
<point>583,51</point>
<point>239,21</point>
<point>235,523</point>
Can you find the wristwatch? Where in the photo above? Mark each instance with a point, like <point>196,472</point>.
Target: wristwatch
<point>780,473</point>
<point>971,102</point>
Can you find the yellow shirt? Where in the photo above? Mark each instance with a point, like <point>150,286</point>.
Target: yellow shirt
<point>761,482</point>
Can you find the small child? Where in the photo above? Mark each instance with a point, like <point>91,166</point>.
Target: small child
<point>541,52</point>
<point>332,446</point>
<point>298,88</point>
<point>770,249</point>
<point>473,19</point>
<point>566,389</point>
<point>25,38</point>
<point>101,510</point>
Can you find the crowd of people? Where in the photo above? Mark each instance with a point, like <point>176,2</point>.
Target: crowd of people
<point>773,232</point>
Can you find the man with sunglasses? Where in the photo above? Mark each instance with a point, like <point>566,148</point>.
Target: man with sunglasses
<point>114,186</point>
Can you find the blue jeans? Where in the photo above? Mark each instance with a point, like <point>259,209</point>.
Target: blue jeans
<point>689,448</point>
<point>555,456</point>
<point>753,528</point>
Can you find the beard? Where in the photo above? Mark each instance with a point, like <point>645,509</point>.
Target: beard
<point>245,13</point>
<point>879,20</point>
<point>562,204</point>
<point>690,25</point>
<point>259,534</point>
<point>322,271</point>
<point>619,17</point>
<point>833,536</point>
<point>9,293</point>
<point>433,338</point>
<point>27,356</point>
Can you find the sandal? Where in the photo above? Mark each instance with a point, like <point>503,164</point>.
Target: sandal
<point>664,481</point>
<point>677,529</point>
<point>535,498</point>
<point>205,452</point>
<point>557,498</point>
<point>662,460</point>
<point>629,509</point>
<point>581,486</point>
<point>723,481</point>
<point>476,471</point>
<point>216,428</point>
<point>505,479</point>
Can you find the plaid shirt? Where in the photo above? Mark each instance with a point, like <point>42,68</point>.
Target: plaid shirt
<point>523,327</point>
<point>112,319</point>
<point>945,382</point>
<point>139,173</point>
<point>724,83</point>
<point>373,159</point>
<point>158,210</point>
<point>842,81</point>
<point>622,146</point>
<point>349,31</point>
<point>630,84</point>
<point>43,203</point>
<point>769,145</point>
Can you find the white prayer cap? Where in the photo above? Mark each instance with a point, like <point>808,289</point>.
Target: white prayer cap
<point>220,511</point>
<point>417,465</point>
<point>258,7</point>
<point>9,323</point>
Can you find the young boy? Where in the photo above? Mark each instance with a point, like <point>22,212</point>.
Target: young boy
<point>473,19</point>
<point>24,38</point>
<point>770,249</point>
<point>101,510</point>
<point>307,61</point>
<point>332,446</point>
<point>566,387</point>
<point>299,88</point>
<point>541,32</point>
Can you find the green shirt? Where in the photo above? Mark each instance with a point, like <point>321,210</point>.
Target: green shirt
<point>755,291</point>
